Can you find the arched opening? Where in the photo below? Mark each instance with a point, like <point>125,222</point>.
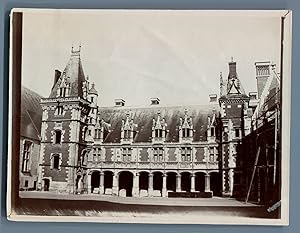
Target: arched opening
<point>143,181</point>
<point>46,184</point>
<point>125,183</point>
<point>216,183</point>
<point>77,184</point>
<point>95,182</point>
<point>200,181</point>
<point>108,182</point>
<point>185,182</point>
<point>157,183</point>
<point>171,181</point>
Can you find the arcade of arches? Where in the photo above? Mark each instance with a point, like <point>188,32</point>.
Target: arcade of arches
<point>155,184</point>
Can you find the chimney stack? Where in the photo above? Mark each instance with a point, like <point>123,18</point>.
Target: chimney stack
<point>232,69</point>
<point>213,98</point>
<point>119,102</point>
<point>262,74</point>
<point>155,101</point>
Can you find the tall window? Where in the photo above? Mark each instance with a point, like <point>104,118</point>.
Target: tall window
<point>158,154</point>
<point>55,162</point>
<point>26,156</point>
<point>158,133</point>
<point>126,152</point>
<point>186,154</point>
<point>57,136</point>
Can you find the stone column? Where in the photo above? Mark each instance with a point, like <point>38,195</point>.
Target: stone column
<point>101,186</point>
<point>193,183</point>
<point>207,183</point>
<point>178,183</point>
<point>89,183</point>
<point>135,188</point>
<point>164,186</point>
<point>115,187</point>
<point>150,184</point>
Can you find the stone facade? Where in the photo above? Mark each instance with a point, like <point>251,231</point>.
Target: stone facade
<point>138,151</point>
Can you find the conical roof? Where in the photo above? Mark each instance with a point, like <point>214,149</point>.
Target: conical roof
<point>72,74</point>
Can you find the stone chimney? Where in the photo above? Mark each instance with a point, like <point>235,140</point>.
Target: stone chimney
<point>213,98</point>
<point>262,74</point>
<point>119,102</point>
<point>155,101</point>
<point>232,69</point>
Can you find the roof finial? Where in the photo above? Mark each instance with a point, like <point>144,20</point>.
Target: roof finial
<point>76,52</point>
<point>231,59</point>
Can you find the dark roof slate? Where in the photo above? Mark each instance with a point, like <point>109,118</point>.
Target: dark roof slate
<point>143,117</point>
<point>31,114</point>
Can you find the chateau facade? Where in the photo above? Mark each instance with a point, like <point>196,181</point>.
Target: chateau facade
<point>187,151</point>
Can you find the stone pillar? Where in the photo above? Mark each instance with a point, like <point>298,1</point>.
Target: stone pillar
<point>207,183</point>
<point>178,183</point>
<point>89,183</point>
<point>135,188</point>
<point>164,192</point>
<point>150,184</point>
<point>193,183</point>
<point>101,186</point>
<point>115,187</point>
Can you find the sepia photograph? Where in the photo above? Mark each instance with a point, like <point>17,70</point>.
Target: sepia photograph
<point>149,116</point>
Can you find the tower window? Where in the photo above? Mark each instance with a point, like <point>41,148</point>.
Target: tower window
<point>57,136</point>
<point>26,156</point>
<point>92,99</point>
<point>62,92</point>
<point>126,134</point>
<point>56,161</point>
<point>59,110</point>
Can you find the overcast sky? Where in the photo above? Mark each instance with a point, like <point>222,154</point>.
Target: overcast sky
<point>174,55</point>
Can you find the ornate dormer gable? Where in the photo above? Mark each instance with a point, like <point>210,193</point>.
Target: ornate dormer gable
<point>64,86</point>
<point>211,127</point>
<point>159,131</point>
<point>127,129</point>
<point>186,128</point>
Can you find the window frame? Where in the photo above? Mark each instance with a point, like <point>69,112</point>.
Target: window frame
<point>26,155</point>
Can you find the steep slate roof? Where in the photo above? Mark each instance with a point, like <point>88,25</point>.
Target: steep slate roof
<point>31,114</point>
<point>75,75</point>
<point>143,117</point>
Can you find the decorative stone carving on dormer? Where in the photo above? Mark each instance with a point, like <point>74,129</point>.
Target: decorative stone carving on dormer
<point>159,129</point>
<point>64,86</point>
<point>211,128</point>
<point>127,129</point>
<point>186,131</point>
<point>102,128</point>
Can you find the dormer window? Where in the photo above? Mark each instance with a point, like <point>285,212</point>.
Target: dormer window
<point>211,128</point>
<point>159,129</point>
<point>212,131</point>
<point>186,128</point>
<point>127,129</point>
<point>237,133</point>
<point>62,91</point>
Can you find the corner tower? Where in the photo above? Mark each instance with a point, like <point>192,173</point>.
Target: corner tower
<point>233,102</point>
<point>64,122</point>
